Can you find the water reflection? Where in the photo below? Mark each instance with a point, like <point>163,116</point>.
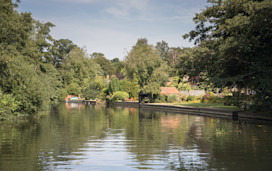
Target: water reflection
<point>87,137</point>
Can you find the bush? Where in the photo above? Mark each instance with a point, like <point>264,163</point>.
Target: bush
<point>211,98</point>
<point>184,98</point>
<point>184,86</point>
<point>160,99</point>
<point>236,99</point>
<point>190,98</point>
<point>172,98</point>
<point>119,95</point>
<point>8,106</point>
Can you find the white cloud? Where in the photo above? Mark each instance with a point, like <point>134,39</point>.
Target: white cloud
<point>122,8</point>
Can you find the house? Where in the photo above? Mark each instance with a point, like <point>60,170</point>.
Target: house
<point>166,91</point>
<point>72,97</point>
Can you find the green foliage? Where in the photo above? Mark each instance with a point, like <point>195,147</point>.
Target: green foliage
<point>61,48</point>
<point>114,85</point>
<point>190,98</point>
<point>119,95</point>
<point>103,93</point>
<point>184,86</point>
<point>104,63</point>
<point>29,81</point>
<point>175,82</point>
<point>152,88</point>
<point>125,85</point>
<point>163,49</point>
<point>90,92</point>
<point>144,60</point>
<point>234,39</point>
<point>131,87</point>
<point>8,106</point>
<point>135,87</point>
<point>211,98</point>
<point>160,99</point>
<point>236,99</point>
<point>73,89</point>
<point>172,98</point>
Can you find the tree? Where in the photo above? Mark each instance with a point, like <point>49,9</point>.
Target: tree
<point>163,49</point>
<point>131,87</point>
<point>77,67</point>
<point>104,63</point>
<point>118,65</point>
<point>238,35</point>
<point>184,86</point>
<point>24,75</point>
<point>144,60</point>
<point>114,85</point>
<point>61,48</point>
<point>173,58</point>
<point>135,87</point>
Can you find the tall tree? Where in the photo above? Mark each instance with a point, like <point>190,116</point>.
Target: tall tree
<point>104,63</point>
<point>61,48</point>
<point>238,35</point>
<point>23,74</point>
<point>144,60</point>
<point>163,49</point>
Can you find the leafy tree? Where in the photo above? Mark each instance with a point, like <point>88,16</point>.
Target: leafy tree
<point>153,88</point>
<point>73,89</point>
<point>163,49</point>
<point>23,74</point>
<point>8,105</point>
<point>77,67</point>
<point>114,85</point>
<point>238,35</point>
<point>175,82</point>
<point>135,87</point>
<point>104,63</point>
<point>131,87</point>
<point>144,60</point>
<point>173,58</point>
<point>61,48</point>
<point>118,65</point>
<point>184,86</point>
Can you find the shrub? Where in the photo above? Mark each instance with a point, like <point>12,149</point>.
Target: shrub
<point>119,95</point>
<point>172,98</point>
<point>8,106</point>
<point>184,98</point>
<point>211,98</point>
<point>236,99</point>
<point>160,99</point>
<point>184,86</point>
<point>190,98</point>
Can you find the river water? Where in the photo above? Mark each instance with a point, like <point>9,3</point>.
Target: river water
<point>84,137</point>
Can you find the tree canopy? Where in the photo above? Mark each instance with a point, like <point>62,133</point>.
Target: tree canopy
<point>144,60</point>
<point>237,36</point>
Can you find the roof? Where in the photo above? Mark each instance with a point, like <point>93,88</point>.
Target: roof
<point>69,96</point>
<point>169,90</point>
<point>168,83</point>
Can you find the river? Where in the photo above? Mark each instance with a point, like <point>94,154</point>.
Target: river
<point>86,137</point>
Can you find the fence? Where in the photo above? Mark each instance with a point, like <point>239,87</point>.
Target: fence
<point>193,92</point>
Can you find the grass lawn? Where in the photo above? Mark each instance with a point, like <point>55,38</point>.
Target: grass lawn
<point>209,105</point>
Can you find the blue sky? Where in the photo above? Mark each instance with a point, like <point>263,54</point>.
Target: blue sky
<point>112,27</point>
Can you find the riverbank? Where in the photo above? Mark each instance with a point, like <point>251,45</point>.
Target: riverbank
<point>235,114</point>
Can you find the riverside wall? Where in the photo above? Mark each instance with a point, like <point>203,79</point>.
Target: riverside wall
<point>196,111</point>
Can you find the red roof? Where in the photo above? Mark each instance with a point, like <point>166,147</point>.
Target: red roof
<point>169,90</point>
<point>168,83</point>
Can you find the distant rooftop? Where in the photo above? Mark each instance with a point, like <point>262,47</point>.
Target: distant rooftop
<point>169,90</point>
